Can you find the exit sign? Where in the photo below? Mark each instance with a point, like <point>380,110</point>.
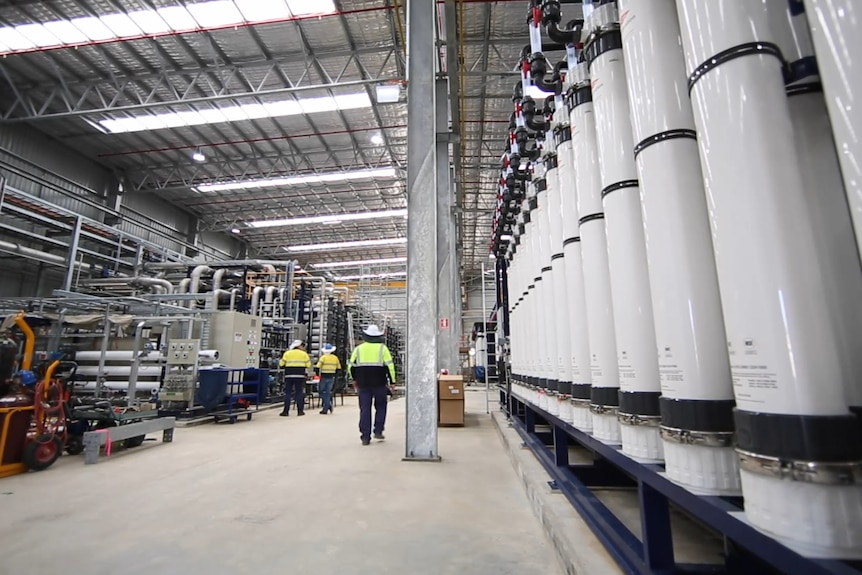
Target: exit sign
<point>444,323</point>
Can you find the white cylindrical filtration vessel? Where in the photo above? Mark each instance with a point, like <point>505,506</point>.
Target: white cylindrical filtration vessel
<point>577,353</point>
<point>639,384</point>
<point>819,166</point>
<point>836,29</point>
<point>798,443</point>
<point>545,289</point>
<point>118,371</point>
<point>697,391</point>
<point>588,410</point>
<point>560,303</point>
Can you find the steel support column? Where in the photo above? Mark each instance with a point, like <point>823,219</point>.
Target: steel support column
<point>73,254</point>
<point>421,235</point>
<point>446,342</point>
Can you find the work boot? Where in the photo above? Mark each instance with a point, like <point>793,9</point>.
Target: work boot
<point>284,414</point>
<point>366,442</point>
<point>379,436</point>
<point>300,413</point>
<point>323,412</point>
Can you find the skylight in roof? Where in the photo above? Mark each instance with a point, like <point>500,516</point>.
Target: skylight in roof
<point>296,180</point>
<point>166,20</point>
<point>239,112</point>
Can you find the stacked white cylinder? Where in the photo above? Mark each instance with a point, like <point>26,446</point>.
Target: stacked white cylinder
<point>575,322</point>
<point>696,387</point>
<point>796,438</point>
<point>597,283</point>
<point>639,385</point>
<point>836,29</point>
<point>562,335</point>
<point>545,289</point>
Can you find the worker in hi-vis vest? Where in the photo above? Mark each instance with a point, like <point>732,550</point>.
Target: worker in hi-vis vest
<point>297,368</point>
<point>373,375</point>
<point>328,365</point>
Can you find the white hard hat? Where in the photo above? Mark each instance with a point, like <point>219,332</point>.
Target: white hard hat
<point>372,331</point>
<point>296,343</point>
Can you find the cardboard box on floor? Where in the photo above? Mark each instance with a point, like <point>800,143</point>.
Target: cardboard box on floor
<point>450,401</point>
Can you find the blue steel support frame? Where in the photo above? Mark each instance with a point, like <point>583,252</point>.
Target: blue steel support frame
<point>750,551</point>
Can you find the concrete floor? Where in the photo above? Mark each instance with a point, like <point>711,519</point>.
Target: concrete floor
<point>279,495</point>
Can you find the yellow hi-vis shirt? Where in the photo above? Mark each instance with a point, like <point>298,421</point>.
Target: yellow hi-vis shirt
<point>295,362</point>
<point>328,364</point>
<point>369,364</point>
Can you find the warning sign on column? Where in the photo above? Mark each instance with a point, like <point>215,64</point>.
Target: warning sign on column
<point>444,323</point>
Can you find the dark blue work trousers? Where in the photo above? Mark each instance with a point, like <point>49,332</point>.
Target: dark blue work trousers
<point>378,396</point>
<point>294,386</point>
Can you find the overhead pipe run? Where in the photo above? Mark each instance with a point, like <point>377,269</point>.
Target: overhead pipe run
<point>793,375</point>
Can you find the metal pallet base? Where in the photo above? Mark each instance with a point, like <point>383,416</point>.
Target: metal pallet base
<point>748,551</point>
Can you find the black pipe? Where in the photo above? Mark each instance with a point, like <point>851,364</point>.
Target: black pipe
<point>538,71</point>
<point>552,15</point>
<point>530,116</point>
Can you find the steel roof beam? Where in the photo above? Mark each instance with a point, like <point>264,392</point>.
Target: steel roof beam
<point>123,93</point>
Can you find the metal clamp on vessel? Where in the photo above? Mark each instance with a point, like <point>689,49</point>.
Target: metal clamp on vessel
<point>846,473</point>
<point>722,439</point>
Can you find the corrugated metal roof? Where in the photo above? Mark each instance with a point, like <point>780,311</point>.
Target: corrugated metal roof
<point>205,70</point>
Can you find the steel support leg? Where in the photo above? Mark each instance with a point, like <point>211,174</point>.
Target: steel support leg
<point>421,235</point>
<point>561,447</point>
<point>655,523</point>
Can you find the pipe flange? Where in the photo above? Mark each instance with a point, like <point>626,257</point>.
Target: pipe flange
<point>603,409</point>
<point>635,420</point>
<point>580,402</point>
<point>722,439</point>
<point>821,473</point>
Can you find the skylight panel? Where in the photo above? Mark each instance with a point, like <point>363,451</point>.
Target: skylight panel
<point>242,112</point>
<point>37,34</point>
<point>14,40</point>
<point>262,10</point>
<point>94,28</point>
<point>307,7</point>
<point>149,22</point>
<point>121,25</point>
<point>214,14</point>
<point>178,18</point>
<point>66,32</point>
<point>294,180</point>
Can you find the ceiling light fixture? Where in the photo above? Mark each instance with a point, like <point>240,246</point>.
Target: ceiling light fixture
<point>234,230</point>
<point>241,112</point>
<point>345,245</point>
<point>388,93</point>
<point>358,263</point>
<point>377,140</point>
<point>198,156</point>
<point>193,17</point>
<point>370,276</point>
<point>327,219</point>
<point>296,180</point>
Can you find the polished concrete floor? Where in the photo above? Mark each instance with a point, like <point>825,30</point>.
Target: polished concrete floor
<point>279,495</point>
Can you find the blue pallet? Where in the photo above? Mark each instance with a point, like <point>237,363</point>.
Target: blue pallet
<point>655,554</point>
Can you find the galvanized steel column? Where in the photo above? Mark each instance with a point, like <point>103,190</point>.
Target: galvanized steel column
<point>446,342</point>
<point>421,235</point>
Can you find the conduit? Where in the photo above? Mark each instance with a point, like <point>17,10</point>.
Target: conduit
<point>796,438</point>
<point>697,392</point>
